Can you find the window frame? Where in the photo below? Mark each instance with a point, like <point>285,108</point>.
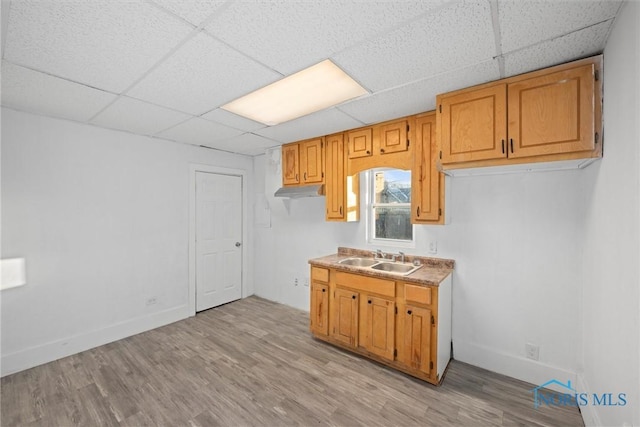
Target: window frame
<point>370,207</point>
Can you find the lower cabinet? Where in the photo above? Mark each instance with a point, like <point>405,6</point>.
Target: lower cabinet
<point>406,326</point>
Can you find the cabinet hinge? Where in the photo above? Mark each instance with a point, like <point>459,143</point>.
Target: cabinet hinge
<point>321,144</point>
<point>440,108</point>
<point>596,75</point>
<point>395,352</point>
<point>323,174</point>
<point>408,142</point>
<point>431,364</point>
<point>407,128</point>
<point>433,320</point>
<point>440,154</point>
<point>597,137</point>
<point>396,310</point>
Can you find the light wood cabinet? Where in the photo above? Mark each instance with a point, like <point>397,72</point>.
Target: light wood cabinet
<point>344,316</point>
<point>427,183</point>
<point>360,142</point>
<point>342,192</point>
<point>394,137</point>
<point>402,325</point>
<point>290,164</point>
<point>377,328</point>
<point>302,162</point>
<point>319,310</point>
<point>546,115</point>
<point>416,336</point>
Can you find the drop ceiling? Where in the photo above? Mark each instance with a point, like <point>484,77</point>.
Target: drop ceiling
<point>163,68</point>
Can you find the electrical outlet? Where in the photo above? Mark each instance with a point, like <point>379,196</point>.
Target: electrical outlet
<point>433,247</point>
<point>152,301</point>
<point>532,351</point>
<point>295,282</point>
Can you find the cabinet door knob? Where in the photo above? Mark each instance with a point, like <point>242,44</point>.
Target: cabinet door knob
<point>511,141</point>
<point>503,146</point>
<point>368,152</point>
<point>340,210</point>
<point>324,290</point>
<point>369,302</point>
<point>408,311</point>
<point>353,297</point>
<point>382,150</point>
<point>305,176</point>
<point>418,211</point>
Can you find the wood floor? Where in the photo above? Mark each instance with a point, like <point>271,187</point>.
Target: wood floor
<point>253,362</point>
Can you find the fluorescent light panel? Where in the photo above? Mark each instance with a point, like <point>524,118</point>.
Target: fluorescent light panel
<point>313,89</point>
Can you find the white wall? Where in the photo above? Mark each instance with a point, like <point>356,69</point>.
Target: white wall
<point>102,219</point>
<point>516,240</point>
<point>611,292</point>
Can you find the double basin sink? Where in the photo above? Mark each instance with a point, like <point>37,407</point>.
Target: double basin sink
<point>403,269</point>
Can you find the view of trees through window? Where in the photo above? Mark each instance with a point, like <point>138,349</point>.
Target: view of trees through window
<point>391,207</point>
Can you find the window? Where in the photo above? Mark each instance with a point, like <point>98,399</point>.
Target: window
<point>390,206</point>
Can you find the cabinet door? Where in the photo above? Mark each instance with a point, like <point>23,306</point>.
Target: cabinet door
<point>360,143</point>
<point>425,178</point>
<point>394,137</point>
<point>345,316</point>
<point>473,125</point>
<point>416,332</point>
<point>335,177</point>
<point>319,308</point>
<point>311,161</point>
<point>552,113</point>
<point>378,326</point>
<point>290,164</point>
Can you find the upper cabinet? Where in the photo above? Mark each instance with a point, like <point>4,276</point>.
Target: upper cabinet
<point>360,142</point>
<point>342,196</point>
<point>427,183</point>
<point>393,137</point>
<point>302,162</point>
<point>290,164</point>
<point>546,115</point>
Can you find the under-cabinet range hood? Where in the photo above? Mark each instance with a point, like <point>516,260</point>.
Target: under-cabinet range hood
<point>299,192</point>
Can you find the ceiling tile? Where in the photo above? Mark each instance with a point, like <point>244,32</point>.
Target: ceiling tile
<point>193,11</point>
<point>105,44</point>
<point>223,116</point>
<point>138,117</point>
<point>248,143</point>
<point>198,131</point>
<point>420,96</point>
<point>321,123</point>
<point>289,36</point>
<point>579,44</point>
<point>523,23</point>
<point>203,74</point>
<point>37,92</point>
<point>452,38</point>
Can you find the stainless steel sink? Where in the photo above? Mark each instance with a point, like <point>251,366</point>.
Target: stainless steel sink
<point>358,262</point>
<point>394,267</point>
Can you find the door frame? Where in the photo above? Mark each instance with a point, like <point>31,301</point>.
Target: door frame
<point>193,169</point>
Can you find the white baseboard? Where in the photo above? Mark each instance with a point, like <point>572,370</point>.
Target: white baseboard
<point>38,355</point>
<point>520,368</point>
<point>589,412</point>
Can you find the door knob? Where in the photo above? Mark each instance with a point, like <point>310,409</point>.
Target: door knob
<point>238,244</point>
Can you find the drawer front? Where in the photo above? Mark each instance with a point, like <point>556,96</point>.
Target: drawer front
<point>366,284</point>
<point>320,274</point>
<point>419,294</point>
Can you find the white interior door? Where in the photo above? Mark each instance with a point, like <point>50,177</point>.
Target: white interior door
<point>218,239</point>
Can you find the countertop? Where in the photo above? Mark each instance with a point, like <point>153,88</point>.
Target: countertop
<point>433,271</point>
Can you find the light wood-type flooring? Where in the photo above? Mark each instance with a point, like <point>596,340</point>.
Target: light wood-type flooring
<point>253,362</point>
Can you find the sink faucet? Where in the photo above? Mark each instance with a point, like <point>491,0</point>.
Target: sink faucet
<point>379,254</point>
<point>401,256</point>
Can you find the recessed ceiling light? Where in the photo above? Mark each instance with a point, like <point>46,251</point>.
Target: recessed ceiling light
<point>313,89</point>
